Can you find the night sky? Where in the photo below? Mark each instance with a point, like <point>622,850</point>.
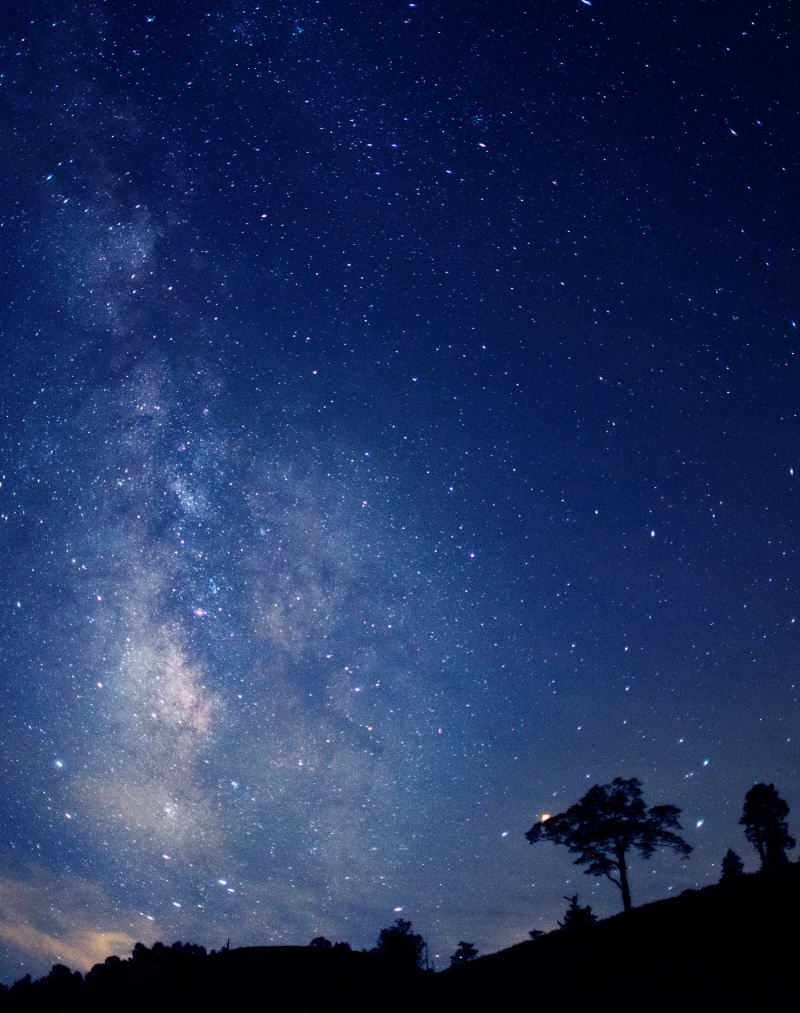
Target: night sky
<point>398,435</point>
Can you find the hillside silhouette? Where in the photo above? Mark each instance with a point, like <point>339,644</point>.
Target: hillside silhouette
<point>728,947</point>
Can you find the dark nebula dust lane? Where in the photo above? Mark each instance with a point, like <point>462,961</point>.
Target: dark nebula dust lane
<point>398,435</point>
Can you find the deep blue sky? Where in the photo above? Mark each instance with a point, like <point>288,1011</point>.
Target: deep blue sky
<point>399,436</point>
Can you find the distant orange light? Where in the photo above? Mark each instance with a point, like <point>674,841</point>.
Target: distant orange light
<point>545,817</point>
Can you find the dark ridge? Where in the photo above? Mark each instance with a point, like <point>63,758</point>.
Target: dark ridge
<point>729,947</point>
<point>732,946</point>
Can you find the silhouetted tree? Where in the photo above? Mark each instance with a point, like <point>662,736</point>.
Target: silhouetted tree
<point>577,917</point>
<point>536,933</point>
<point>61,989</point>
<point>464,953</point>
<point>321,943</point>
<point>732,866</point>
<point>610,821</point>
<point>113,975</point>
<point>22,990</point>
<point>399,946</point>
<point>764,821</point>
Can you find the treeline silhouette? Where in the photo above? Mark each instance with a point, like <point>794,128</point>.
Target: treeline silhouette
<point>730,946</point>
<point>184,976</point>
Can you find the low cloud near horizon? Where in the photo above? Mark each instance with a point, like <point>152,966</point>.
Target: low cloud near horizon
<point>46,919</point>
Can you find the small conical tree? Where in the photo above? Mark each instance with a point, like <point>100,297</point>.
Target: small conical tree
<point>732,866</point>
<point>577,917</point>
<point>764,821</point>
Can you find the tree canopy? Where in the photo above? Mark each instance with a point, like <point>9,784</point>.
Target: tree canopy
<point>399,947</point>
<point>764,821</point>
<point>609,822</point>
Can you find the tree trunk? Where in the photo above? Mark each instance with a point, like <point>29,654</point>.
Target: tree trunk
<point>623,881</point>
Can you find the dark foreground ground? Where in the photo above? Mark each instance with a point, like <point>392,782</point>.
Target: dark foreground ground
<point>725,948</point>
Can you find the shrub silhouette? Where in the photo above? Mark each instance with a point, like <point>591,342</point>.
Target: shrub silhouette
<point>577,918</point>
<point>464,953</point>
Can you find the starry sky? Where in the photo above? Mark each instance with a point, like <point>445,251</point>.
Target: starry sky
<point>398,435</point>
